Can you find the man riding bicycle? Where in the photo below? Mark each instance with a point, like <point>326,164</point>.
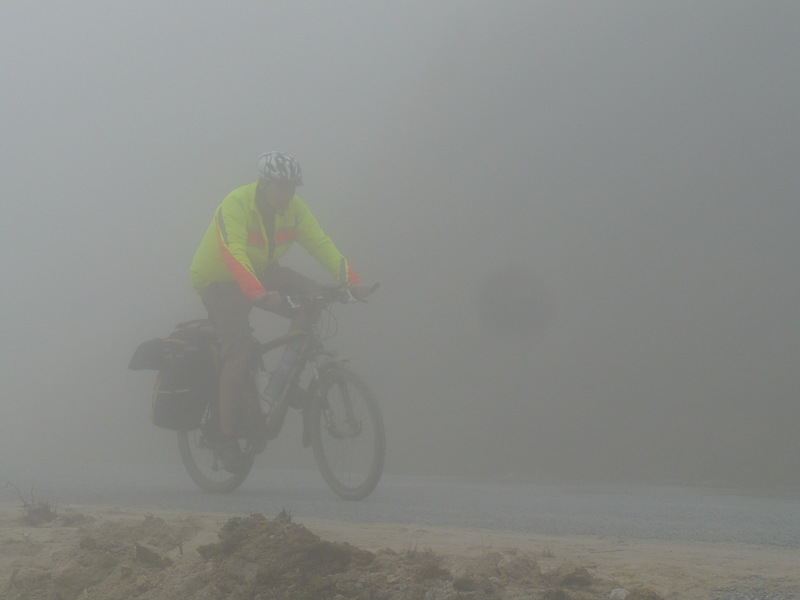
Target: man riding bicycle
<point>236,267</point>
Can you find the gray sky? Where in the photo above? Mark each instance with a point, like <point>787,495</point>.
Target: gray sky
<point>583,215</point>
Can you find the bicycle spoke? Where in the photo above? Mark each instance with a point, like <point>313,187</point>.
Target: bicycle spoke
<point>349,442</point>
<point>203,462</point>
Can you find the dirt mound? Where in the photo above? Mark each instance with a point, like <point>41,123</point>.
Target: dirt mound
<point>104,555</point>
<point>255,558</point>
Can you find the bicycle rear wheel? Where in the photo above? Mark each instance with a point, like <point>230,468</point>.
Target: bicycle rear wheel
<point>203,463</point>
<point>347,434</point>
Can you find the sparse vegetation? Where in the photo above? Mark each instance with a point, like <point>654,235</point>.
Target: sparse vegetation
<point>37,511</point>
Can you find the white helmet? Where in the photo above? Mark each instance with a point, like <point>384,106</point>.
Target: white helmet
<point>279,166</point>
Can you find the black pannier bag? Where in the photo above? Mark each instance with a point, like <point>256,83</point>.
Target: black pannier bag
<point>149,355</point>
<point>187,375</point>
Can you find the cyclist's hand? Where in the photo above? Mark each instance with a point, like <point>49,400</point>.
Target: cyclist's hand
<point>360,290</point>
<point>268,300</point>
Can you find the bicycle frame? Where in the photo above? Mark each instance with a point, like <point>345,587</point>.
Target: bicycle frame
<point>341,418</point>
<point>310,347</point>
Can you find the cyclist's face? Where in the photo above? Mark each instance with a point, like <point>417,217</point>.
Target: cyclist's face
<point>279,193</point>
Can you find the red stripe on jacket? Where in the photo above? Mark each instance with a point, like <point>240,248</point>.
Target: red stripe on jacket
<point>285,235</point>
<point>254,238</point>
<point>351,276</point>
<point>249,283</point>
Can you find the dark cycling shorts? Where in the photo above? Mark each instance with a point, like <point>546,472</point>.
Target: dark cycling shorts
<point>228,307</point>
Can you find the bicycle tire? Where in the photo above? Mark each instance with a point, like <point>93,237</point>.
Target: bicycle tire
<point>203,466</point>
<point>350,454</point>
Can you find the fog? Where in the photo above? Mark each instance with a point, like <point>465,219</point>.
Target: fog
<point>583,217</point>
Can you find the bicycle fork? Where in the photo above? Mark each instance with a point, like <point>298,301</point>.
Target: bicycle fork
<point>277,416</point>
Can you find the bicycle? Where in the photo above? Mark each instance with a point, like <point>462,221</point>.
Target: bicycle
<point>342,421</point>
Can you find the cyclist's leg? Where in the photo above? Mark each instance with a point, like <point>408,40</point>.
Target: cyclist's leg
<point>287,282</point>
<point>228,309</point>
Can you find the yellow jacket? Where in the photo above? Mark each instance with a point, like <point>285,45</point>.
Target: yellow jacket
<point>237,246</point>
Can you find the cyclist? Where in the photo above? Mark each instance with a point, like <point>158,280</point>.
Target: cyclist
<point>236,267</point>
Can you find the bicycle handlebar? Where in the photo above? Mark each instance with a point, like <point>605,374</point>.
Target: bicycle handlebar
<point>326,295</point>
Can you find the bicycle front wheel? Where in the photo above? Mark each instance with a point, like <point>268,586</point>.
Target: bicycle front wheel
<point>347,434</point>
<point>203,463</point>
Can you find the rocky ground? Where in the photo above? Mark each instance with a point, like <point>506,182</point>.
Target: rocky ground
<point>86,553</point>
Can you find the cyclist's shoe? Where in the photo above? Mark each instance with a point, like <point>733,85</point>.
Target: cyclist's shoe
<point>227,449</point>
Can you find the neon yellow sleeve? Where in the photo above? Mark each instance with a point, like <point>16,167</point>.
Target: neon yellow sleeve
<point>311,237</point>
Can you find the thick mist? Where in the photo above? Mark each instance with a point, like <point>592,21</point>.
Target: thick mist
<point>583,216</point>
